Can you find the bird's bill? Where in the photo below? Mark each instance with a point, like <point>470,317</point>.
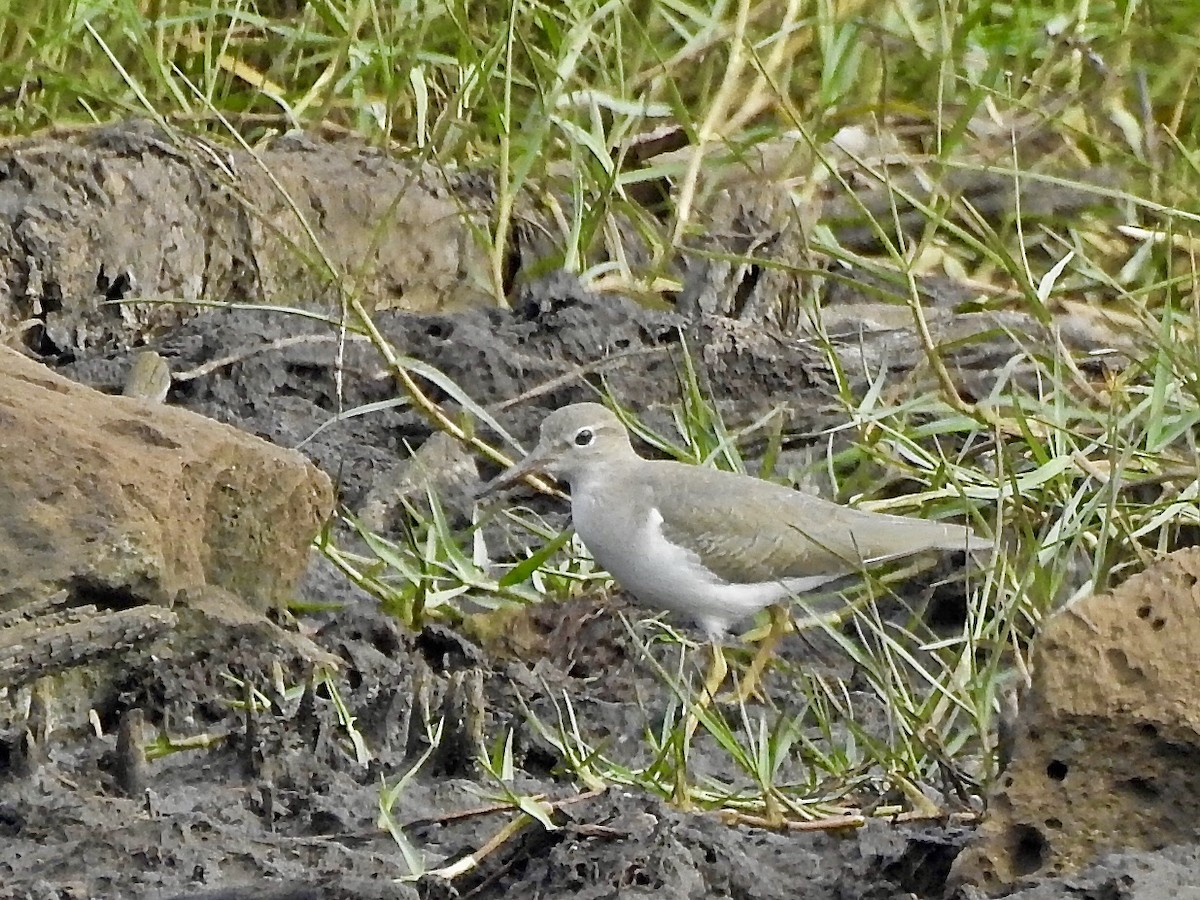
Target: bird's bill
<point>534,463</point>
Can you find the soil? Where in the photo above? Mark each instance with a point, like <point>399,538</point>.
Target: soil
<point>280,805</point>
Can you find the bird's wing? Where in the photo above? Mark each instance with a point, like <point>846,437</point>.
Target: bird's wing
<point>747,530</point>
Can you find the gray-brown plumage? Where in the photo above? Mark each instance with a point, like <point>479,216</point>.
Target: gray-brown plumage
<point>715,546</point>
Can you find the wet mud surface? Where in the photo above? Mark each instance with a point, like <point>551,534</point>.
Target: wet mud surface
<point>278,802</point>
<point>279,806</point>
<point>281,803</point>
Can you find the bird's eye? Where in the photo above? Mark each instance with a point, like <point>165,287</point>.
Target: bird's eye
<point>584,437</point>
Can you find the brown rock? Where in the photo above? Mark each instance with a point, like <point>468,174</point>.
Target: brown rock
<point>1106,754</point>
<point>120,502</point>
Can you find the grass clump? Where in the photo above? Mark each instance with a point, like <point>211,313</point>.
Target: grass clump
<point>1036,154</point>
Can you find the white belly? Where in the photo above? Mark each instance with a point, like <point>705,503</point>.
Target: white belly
<point>662,575</point>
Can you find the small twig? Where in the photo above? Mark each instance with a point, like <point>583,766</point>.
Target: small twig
<point>212,365</point>
<point>472,860</point>
<point>851,820</point>
<point>432,411</point>
<point>831,823</point>
<point>493,808</point>
<point>578,372</point>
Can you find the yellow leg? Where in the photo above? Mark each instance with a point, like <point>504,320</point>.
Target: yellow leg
<point>712,683</point>
<point>781,623</point>
<point>716,674</point>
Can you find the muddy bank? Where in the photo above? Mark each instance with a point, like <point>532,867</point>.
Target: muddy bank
<point>273,798</point>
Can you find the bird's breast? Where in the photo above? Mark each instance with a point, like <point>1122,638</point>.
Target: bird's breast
<point>662,575</point>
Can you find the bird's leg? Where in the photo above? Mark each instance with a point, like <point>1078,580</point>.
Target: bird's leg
<point>780,625</point>
<point>717,672</point>
<point>716,677</point>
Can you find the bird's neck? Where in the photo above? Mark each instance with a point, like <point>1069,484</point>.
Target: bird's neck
<point>602,475</point>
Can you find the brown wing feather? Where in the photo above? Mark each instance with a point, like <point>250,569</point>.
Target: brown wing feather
<point>749,530</point>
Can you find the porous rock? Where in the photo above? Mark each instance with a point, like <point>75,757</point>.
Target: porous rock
<point>1106,754</point>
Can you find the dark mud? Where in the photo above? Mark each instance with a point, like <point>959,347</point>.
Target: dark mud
<point>279,804</point>
<point>280,807</point>
<point>282,803</point>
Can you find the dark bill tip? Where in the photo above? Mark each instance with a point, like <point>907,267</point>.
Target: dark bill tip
<point>509,476</point>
